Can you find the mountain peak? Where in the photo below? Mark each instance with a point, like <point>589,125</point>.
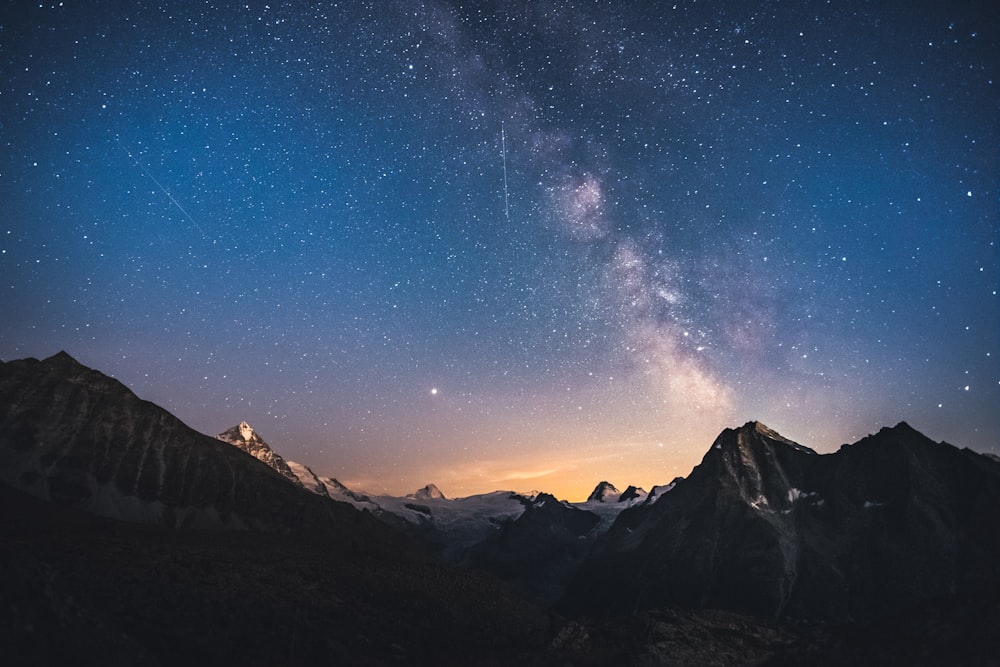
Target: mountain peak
<point>603,492</point>
<point>753,432</point>
<point>62,356</point>
<point>429,492</point>
<point>633,493</point>
<point>757,463</point>
<point>243,437</point>
<point>245,430</point>
<point>903,427</point>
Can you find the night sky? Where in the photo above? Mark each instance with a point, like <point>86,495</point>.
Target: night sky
<point>521,245</point>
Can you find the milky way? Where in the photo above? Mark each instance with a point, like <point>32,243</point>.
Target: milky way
<point>511,245</point>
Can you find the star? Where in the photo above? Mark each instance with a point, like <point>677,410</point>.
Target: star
<point>771,218</point>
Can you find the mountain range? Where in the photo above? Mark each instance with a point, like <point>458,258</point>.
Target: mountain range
<point>127,532</point>
<point>769,527</point>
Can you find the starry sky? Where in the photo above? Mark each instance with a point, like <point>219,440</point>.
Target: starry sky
<point>510,245</point>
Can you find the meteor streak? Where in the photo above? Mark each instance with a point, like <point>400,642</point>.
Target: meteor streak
<point>160,186</point>
<point>503,150</point>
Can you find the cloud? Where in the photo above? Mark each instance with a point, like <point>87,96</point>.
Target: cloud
<point>517,475</point>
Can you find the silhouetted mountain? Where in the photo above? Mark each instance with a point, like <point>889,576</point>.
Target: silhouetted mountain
<point>538,552</point>
<point>604,492</point>
<point>75,436</point>
<point>311,581</point>
<point>632,493</point>
<point>766,526</point>
<point>895,528</point>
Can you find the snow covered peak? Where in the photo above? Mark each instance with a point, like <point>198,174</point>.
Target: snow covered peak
<point>245,431</point>
<point>604,492</point>
<point>429,492</point>
<point>633,494</point>
<point>243,437</point>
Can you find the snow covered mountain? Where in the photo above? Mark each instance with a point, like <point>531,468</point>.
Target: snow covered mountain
<point>429,492</point>
<point>242,436</point>
<point>604,492</point>
<point>464,530</point>
<point>308,479</point>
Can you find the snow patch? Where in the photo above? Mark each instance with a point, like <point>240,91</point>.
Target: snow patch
<point>246,431</point>
<point>308,478</point>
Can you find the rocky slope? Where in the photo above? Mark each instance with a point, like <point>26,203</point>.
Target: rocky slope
<point>74,436</point>
<point>305,580</point>
<point>896,531</point>
<point>539,551</point>
<point>766,526</point>
<point>243,437</point>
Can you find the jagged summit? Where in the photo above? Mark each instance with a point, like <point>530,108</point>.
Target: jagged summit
<point>242,431</point>
<point>753,460</point>
<point>429,492</point>
<point>242,436</point>
<point>751,436</point>
<point>604,492</point>
<point>773,528</point>
<point>658,491</point>
<point>633,493</point>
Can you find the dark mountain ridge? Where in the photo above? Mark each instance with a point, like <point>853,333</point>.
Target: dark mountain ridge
<point>539,551</point>
<point>74,436</point>
<point>129,539</point>
<point>766,526</point>
<point>895,530</point>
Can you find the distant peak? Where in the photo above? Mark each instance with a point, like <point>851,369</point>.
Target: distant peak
<point>604,491</point>
<point>429,492</point>
<point>61,358</point>
<point>633,493</point>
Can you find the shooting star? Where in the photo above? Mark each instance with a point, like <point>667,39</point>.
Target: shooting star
<point>160,186</point>
<point>503,151</point>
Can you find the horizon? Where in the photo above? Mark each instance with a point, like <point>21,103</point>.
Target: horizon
<point>485,245</point>
<point>578,492</point>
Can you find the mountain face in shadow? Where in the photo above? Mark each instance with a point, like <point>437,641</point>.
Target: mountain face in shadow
<point>101,494</point>
<point>537,552</point>
<point>242,436</point>
<point>128,535</point>
<point>74,436</point>
<point>768,527</point>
